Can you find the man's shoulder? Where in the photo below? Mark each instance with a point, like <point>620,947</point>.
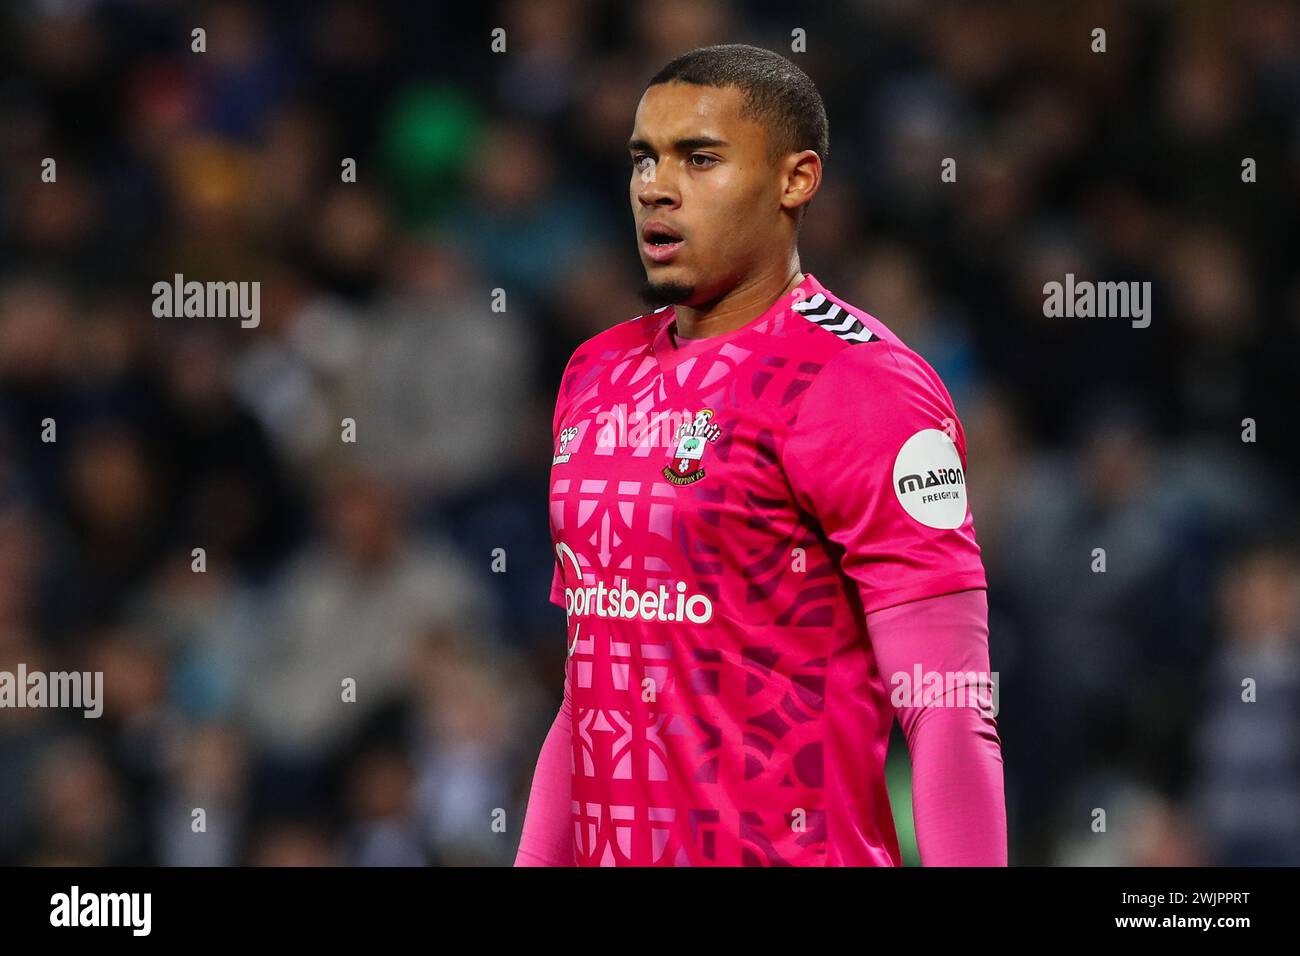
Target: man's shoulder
<point>633,333</point>
<point>838,316</point>
<point>619,341</point>
<point>854,347</point>
<point>868,399</point>
<point>860,367</point>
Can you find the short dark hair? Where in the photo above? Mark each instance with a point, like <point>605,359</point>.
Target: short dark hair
<point>777,93</point>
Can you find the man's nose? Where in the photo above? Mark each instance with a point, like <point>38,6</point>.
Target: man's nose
<point>656,189</point>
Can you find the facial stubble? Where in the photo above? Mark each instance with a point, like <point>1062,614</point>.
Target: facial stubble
<point>657,294</point>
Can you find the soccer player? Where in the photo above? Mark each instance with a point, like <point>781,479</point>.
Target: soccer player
<point>762,539</point>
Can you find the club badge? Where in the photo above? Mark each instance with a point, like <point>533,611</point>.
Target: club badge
<point>692,438</point>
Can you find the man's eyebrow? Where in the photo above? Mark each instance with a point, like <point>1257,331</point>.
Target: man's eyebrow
<point>684,145</point>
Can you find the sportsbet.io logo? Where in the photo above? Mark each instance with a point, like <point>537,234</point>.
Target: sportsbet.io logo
<point>929,481</point>
<point>621,602</point>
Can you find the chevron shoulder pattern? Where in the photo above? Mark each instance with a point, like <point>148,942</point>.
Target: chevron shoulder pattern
<point>820,310</point>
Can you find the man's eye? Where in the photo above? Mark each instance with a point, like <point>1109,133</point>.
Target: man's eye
<point>638,162</point>
<point>708,160</point>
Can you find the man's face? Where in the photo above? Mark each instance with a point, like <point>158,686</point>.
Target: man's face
<point>702,173</point>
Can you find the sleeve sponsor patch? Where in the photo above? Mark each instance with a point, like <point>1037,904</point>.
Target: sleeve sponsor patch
<point>928,480</point>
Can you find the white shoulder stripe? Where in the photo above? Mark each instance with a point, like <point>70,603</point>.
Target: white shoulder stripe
<point>832,317</point>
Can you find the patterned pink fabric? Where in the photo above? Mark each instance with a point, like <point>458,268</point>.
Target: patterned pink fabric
<point>727,512</point>
<point>957,788</point>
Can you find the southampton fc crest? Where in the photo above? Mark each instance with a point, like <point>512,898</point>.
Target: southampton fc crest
<point>692,438</point>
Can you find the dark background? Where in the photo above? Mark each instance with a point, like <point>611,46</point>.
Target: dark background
<point>482,171</point>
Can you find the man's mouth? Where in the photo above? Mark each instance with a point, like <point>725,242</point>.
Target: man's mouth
<point>660,242</point>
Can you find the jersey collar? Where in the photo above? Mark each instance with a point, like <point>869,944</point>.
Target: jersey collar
<point>668,356</point>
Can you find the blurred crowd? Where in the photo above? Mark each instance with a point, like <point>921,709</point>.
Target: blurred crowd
<point>413,564</point>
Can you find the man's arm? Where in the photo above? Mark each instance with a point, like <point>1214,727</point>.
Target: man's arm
<point>957,787</point>
<point>547,839</point>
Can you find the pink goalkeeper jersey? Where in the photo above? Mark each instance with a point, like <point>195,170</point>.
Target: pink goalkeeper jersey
<point>725,511</point>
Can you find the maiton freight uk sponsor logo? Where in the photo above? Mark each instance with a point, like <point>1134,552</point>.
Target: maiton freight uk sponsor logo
<point>929,481</point>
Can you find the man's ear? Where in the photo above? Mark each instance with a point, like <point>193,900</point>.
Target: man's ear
<point>802,180</point>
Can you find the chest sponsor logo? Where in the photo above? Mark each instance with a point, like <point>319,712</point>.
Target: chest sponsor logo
<point>621,602</point>
<point>692,438</point>
<point>928,480</point>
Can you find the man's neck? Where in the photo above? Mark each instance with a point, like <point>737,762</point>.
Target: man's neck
<point>738,307</point>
